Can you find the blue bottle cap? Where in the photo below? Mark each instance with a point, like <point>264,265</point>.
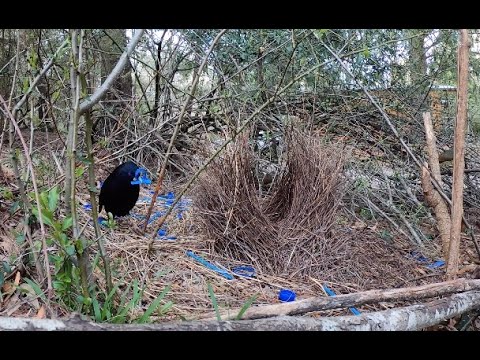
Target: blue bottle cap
<point>162,232</point>
<point>286,295</point>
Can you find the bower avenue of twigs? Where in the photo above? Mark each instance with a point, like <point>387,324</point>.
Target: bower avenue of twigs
<point>287,232</point>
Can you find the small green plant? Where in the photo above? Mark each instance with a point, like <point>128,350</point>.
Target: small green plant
<point>386,235</point>
<point>111,223</point>
<point>4,271</point>
<point>366,214</point>
<point>361,184</point>
<point>112,311</point>
<point>114,307</point>
<point>66,278</point>
<point>6,193</point>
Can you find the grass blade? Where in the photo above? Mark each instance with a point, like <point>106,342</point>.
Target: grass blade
<point>96,310</point>
<point>214,302</point>
<point>245,306</point>
<point>153,306</point>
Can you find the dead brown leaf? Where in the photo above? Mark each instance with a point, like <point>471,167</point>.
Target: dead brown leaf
<point>41,314</point>
<point>17,278</point>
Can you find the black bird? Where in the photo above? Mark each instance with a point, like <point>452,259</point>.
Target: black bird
<point>117,193</point>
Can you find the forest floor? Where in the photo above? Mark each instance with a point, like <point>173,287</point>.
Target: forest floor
<point>375,261</point>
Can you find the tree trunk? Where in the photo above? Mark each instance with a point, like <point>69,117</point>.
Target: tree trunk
<point>113,44</point>
<point>418,60</point>
<point>459,155</point>
<point>434,199</point>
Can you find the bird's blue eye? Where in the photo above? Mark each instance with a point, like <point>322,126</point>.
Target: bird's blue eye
<point>141,177</point>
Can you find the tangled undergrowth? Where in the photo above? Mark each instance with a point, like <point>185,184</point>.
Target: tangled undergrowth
<point>341,253</point>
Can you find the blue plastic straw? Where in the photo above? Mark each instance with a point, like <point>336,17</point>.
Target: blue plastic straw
<point>330,292</point>
<point>204,262</point>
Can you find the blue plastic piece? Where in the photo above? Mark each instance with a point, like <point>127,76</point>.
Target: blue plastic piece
<point>102,221</point>
<point>141,177</point>
<point>354,311</point>
<point>163,203</point>
<point>436,264</point>
<point>87,206</point>
<point>286,295</point>
<point>330,292</point>
<point>209,265</point>
<point>245,271</point>
<point>155,216</point>
<point>419,257</point>
<point>162,233</point>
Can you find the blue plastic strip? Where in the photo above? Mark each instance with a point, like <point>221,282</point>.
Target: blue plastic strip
<point>204,262</point>
<point>330,292</point>
<point>245,271</point>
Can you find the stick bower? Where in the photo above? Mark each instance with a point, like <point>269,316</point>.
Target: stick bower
<point>288,231</point>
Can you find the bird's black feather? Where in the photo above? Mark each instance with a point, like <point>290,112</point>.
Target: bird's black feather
<point>117,194</point>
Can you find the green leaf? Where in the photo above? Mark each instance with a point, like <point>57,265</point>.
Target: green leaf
<point>366,52</point>
<point>46,216</point>
<point>67,223</point>
<point>55,95</point>
<point>123,298</point>
<point>79,170</point>
<point>6,267</point>
<point>25,85</point>
<point>15,206</point>
<point>44,200</point>
<point>153,306</point>
<point>2,279</point>
<point>36,288</point>
<point>214,302</point>
<point>53,199</point>
<point>246,306</point>
<point>70,250</point>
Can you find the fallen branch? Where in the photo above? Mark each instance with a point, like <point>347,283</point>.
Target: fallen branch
<point>414,317</point>
<point>355,299</point>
